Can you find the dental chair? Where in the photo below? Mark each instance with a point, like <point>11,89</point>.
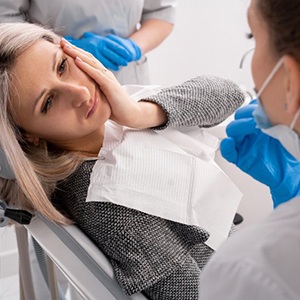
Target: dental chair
<point>86,268</point>
<point>84,265</point>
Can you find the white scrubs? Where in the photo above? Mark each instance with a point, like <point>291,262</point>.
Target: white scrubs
<point>261,262</point>
<point>74,17</point>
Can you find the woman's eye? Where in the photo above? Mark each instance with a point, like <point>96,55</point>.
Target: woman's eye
<point>47,105</point>
<point>63,65</point>
<point>249,35</point>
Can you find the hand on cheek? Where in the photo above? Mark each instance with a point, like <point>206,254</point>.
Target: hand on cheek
<point>124,109</point>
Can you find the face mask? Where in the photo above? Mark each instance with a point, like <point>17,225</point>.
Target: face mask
<point>285,134</point>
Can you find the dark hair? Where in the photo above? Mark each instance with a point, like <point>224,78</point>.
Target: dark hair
<point>282,18</point>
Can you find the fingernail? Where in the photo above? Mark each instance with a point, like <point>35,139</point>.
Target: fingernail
<point>78,59</point>
<point>66,41</point>
<point>67,46</point>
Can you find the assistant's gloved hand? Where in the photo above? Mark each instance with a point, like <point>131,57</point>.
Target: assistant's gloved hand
<point>261,156</point>
<point>129,44</point>
<point>110,53</point>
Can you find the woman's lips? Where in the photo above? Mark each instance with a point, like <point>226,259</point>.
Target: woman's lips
<point>93,106</point>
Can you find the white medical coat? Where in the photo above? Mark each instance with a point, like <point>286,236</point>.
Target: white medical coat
<point>74,17</point>
<point>261,262</point>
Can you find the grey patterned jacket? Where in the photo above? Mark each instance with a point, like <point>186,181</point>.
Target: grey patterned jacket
<point>161,258</point>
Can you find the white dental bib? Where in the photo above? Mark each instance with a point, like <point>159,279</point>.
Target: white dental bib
<point>170,174</point>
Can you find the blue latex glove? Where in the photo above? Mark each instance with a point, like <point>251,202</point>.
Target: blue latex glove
<point>261,156</point>
<point>129,45</point>
<point>110,53</point>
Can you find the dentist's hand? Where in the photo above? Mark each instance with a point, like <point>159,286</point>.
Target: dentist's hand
<point>124,110</point>
<point>109,51</point>
<point>130,45</point>
<point>261,156</point>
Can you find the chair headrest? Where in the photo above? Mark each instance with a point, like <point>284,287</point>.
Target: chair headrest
<point>18,215</point>
<point>5,169</point>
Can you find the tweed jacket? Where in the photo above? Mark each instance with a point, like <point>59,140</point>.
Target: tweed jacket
<point>161,258</point>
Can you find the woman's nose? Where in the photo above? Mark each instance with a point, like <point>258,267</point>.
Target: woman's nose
<point>78,94</point>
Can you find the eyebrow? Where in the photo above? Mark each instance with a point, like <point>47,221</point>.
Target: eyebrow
<point>44,90</point>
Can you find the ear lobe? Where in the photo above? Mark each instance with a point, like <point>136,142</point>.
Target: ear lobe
<point>292,83</point>
<point>31,139</point>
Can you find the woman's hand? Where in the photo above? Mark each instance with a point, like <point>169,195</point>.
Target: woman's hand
<point>125,111</point>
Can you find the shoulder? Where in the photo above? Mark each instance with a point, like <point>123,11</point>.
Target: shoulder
<point>261,259</point>
<point>281,228</point>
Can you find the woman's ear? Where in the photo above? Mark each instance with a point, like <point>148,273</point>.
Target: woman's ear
<point>31,139</point>
<point>292,84</point>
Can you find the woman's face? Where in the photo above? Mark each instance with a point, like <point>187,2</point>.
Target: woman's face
<point>55,100</point>
<point>263,61</point>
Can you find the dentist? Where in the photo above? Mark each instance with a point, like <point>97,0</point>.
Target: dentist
<point>118,33</point>
<point>263,260</point>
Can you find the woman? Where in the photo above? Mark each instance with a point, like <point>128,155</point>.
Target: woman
<point>118,33</point>
<point>262,261</point>
<point>56,102</point>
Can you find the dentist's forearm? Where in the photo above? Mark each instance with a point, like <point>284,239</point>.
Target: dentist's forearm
<point>151,34</point>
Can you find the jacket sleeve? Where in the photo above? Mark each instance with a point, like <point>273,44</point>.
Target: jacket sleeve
<point>159,9</point>
<point>204,101</point>
<point>13,11</point>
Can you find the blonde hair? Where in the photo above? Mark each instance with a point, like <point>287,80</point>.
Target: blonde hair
<point>36,169</point>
